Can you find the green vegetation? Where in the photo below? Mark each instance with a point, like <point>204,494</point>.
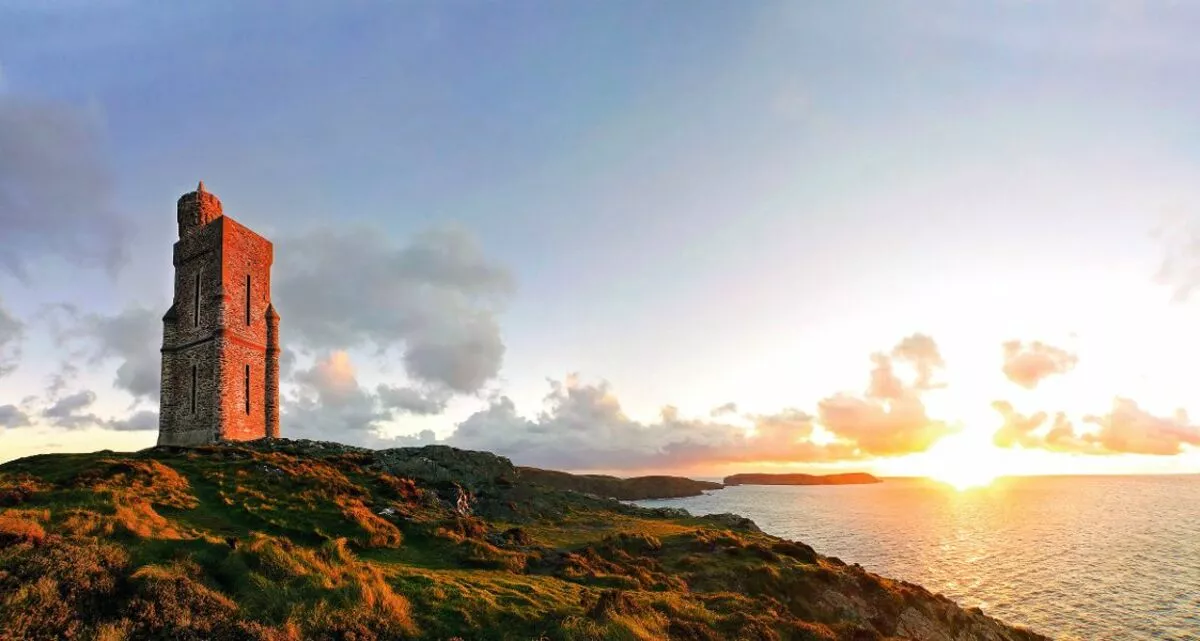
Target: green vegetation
<point>281,540</point>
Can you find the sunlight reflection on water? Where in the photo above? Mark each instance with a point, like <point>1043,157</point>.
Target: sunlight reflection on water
<point>1072,557</point>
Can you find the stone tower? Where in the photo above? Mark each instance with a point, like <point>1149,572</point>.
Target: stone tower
<point>220,352</point>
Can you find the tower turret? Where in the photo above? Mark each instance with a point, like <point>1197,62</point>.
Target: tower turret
<point>196,209</point>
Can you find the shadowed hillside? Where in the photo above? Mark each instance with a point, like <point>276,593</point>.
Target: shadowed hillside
<point>305,540</point>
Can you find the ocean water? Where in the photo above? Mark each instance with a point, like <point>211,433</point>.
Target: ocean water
<point>1071,557</point>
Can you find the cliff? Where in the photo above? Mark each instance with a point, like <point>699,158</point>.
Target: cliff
<point>276,540</point>
<point>852,478</point>
<point>631,489</point>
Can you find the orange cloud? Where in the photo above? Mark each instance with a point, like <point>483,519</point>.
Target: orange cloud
<point>1127,429</point>
<point>890,419</point>
<point>1030,364</point>
<point>882,428</point>
<point>1017,429</point>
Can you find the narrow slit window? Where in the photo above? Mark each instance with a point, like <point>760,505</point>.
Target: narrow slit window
<point>193,389</point>
<point>246,390</point>
<point>247,299</point>
<point>196,305</point>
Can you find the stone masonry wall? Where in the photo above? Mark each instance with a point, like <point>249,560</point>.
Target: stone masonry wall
<point>218,338</point>
<point>245,254</point>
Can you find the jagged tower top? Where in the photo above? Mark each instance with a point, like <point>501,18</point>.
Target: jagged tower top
<point>196,209</point>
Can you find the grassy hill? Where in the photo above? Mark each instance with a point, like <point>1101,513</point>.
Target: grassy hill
<point>305,540</point>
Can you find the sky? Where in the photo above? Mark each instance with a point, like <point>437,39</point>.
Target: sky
<point>907,237</point>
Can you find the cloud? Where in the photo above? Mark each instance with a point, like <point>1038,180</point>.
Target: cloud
<point>12,332</point>
<point>1017,428</point>
<point>1126,429</point>
<point>890,418</point>
<point>921,352</point>
<point>131,337</point>
<point>330,404</point>
<point>436,299</point>
<point>70,412</point>
<point>584,427</point>
<point>55,191</point>
<point>12,416</point>
<point>1130,429</point>
<point>144,420</point>
<point>722,410</point>
<point>897,426</point>
<point>332,380</point>
<point>412,400</point>
<point>917,352</point>
<point>1028,364</point>
<point>1180,267</point>
<point>66,411</point>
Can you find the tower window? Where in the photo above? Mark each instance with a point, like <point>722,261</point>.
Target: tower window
<point>247,299</point>
<point>246,390</point>
<point>193,389</point>
<point>196,306</point>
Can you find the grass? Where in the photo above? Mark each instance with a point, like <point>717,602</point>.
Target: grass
<point>281,541</point>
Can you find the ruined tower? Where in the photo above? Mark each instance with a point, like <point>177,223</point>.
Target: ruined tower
<point>220,352</point>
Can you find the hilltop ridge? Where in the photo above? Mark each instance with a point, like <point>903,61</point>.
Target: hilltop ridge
<point>282,539</point>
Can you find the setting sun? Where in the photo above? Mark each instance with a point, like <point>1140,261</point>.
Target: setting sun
<point>964,477</point>
<point>962,460</point>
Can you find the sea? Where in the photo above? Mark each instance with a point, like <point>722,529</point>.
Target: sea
<point>1078,558</point>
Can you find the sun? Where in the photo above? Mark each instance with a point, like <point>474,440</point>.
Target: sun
<point>965,477</point>
<point>964,460</point>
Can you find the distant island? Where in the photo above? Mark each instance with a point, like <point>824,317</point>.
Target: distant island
<point>637,488</point>
<point>852,478</point>
<point>642,488</point>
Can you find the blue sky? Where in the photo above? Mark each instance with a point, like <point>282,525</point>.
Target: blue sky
<point>698,202</point>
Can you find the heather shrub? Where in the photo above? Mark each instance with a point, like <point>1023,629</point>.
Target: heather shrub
<point>53,590</point>
<point>22,526</point>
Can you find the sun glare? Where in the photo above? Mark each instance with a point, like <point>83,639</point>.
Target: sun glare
<point>965,478</point>
<point>964,460</point>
